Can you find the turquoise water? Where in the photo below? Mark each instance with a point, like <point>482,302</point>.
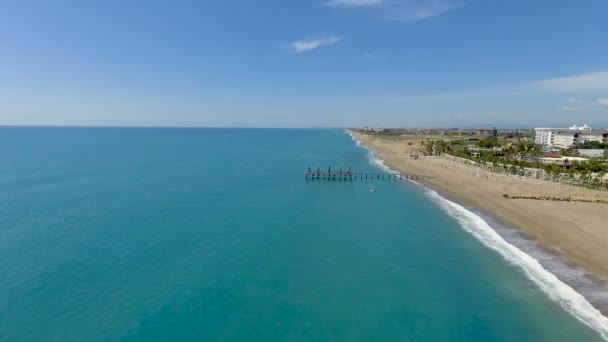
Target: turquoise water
<point>213,234</point>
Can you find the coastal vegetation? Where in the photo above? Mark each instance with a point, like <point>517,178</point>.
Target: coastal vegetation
<point>509,152</point>
<point>556,198</point>
<point>593,145</point>
<point>516,157</point>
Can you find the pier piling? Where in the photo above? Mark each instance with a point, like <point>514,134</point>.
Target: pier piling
<point>350,175</point>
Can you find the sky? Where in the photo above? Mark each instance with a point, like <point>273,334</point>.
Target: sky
<point>304,63</point>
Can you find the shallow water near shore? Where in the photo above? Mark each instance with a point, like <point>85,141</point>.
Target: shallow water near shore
<point>213,234</point>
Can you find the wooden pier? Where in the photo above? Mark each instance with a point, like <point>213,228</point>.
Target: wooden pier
<point>349,175</point>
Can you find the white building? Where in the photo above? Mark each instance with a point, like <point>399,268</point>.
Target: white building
<point>553,160</point>
<point>568,137</point>
<point>584,128</point>
<point>556,137</point>
<point>592,137</point>
<point>562,160</point>
<point>593,153</point>
<point>544,136</point>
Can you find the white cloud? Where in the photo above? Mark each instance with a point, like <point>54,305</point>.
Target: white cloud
<point>576,105</point>
<point>572,109</point>
<point>354,3</point>
<point>306,45</point>
<point>420,10</point>
<point>602,102</point>
<point>584,84</point>
<point>463,95</point>
<point>590,82</point>
<point>369,55</point>
<point>401,10</point>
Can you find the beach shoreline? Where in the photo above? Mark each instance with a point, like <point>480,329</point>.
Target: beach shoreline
<point>572,231</point>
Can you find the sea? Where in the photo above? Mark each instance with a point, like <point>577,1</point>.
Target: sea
<point>212,234</point>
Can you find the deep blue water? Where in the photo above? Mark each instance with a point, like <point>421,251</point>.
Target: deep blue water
<point>213,234</point>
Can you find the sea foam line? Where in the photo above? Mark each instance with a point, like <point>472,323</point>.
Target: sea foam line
<point>373,159</point>
<point>561,293</point>
<point>558,291</point>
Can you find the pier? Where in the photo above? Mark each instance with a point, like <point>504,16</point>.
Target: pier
<point>350,175</point>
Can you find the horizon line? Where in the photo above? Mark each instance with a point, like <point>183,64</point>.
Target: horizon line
<point>468,127</point>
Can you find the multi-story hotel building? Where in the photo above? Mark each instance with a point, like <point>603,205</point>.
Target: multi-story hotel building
<point>568,137</point>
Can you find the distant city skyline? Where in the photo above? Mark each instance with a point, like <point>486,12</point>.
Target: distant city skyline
<point>325,63</point>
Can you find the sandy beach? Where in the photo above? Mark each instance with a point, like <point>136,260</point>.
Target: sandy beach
<point>577,231</point>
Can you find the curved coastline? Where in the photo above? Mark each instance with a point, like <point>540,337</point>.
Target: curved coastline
<point>573,290</point>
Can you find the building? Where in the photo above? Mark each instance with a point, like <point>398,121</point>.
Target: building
<point>568,137</point>
<point>488,132</point>
<point>556,137</point>
<point>593,153</point>
<point>584,128</point>
<point>546,149</point>
<point>566,140</point>
<point>599,137</point>
<point>552,159</point>
<point>545,136</point>
<point>561,160</point>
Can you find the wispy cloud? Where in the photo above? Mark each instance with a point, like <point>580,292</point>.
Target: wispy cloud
<point>306,45</point>
<point>463,95</point>
<point>401,10</point>
<point>374,56</point>
<point>369,55</point>
<point>590,82</point>
<point>421,10</point>
<point>577,105</point>
<point>574,105</point>
<point>354,3</point>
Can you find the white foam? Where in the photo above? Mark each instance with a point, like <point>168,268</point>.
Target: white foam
<point>358,142</point>
<point>373,159</point>
<point>572,301</point>
<point>561,293</point>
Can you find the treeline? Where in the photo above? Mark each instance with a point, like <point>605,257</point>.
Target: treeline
<point>489,143</point>
<point>593,145</point>
<point>578,170</point>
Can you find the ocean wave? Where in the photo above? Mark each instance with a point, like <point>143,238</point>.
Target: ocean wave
<point>357,142</point>
<point>572,301</point>
<point>372,157</point>
<point>558,291</point>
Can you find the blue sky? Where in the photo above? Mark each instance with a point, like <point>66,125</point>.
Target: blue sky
<point>288,63</point>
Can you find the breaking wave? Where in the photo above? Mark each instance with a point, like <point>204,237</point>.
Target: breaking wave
<point>558,291</point>
<point>373,159</point>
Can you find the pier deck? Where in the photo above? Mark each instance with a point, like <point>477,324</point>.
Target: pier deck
<point>349,175</point>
